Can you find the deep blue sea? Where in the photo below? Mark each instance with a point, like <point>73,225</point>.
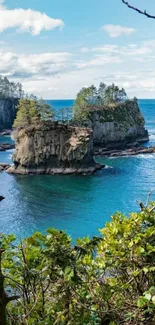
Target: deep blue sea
<point>77,204</point>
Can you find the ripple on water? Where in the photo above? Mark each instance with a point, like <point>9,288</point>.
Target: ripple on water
<point>78,204</point>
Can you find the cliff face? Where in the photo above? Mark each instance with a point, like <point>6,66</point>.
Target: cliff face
<point>116,124</point>
<point>52,148</point>
<point>7,113</point>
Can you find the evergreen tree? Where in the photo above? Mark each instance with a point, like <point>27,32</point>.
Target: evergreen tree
<point>31,111</point>
<point>91,96</point>
<point>10,89</point>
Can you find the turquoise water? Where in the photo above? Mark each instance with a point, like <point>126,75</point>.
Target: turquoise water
<point>78,204</point>
<point>6,139</point>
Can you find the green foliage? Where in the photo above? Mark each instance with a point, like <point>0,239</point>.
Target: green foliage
<point>85,98</point>
<point>91,96</point>
<point>107,280</point>
<point>31,111</point>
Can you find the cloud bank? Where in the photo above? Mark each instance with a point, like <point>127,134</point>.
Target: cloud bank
<point>29,20</point>
<point>62,74</point>
<point>33,65</point>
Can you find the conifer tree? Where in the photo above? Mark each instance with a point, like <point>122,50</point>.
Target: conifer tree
<point>31,111</point>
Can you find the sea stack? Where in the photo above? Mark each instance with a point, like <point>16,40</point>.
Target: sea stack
<point>52,148</point>
<point>118,124</point>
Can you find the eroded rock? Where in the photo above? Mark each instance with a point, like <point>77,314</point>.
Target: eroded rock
<point>51,148</point>
<point>118,124</point>
<point>8,112</point>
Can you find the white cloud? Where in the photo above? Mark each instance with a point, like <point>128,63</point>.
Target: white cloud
<point>99,60</point>
<point>38,65</point>
<point>118,30</point>
<point>62,74</point>
<point>27,20</point>
<point>132,50</point>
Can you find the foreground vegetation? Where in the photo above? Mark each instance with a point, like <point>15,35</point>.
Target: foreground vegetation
<point>104,280</point>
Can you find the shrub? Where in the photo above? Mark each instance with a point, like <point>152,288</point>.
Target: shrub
<point>107,280</point>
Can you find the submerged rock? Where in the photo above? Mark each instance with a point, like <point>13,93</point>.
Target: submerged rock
<point>116,125</point>
<point>52,148</point>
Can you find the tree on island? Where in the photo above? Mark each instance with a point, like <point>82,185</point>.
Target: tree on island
<point>92,96</point>
<point>32,111</point>
<point>10,90</point>
<point>142,12</point>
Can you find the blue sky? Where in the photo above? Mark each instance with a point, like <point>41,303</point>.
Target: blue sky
<point>55,47</point>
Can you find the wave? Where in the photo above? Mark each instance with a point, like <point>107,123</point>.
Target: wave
<point>145,156</point>
<point>152,137</point>
<point>142,156</point>
<point>151,131</point>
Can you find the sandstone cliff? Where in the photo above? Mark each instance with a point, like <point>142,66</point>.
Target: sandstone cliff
<point>117,124</point>
<point>52,148</point>
<point>7,113</point>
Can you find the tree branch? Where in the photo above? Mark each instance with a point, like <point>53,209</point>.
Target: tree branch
<point>12,298</point>
<point>138,10</point>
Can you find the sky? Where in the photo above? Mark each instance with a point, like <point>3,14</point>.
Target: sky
<point>56,47</point>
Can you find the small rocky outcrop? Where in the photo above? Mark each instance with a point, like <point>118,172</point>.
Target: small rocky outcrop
<point>116,125</point>
<point>7,112</point>
<point>4,167</point>
<point>124,152</point>
<point>5,132</point>
<point>6,146</point>
<point>52,148</point>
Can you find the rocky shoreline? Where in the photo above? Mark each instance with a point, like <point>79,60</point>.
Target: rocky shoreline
<point>55,171</point>
<point>103,152</point>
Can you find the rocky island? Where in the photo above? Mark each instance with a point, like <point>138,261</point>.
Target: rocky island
<point>105,123</point>
<point>117,125</point>
<point>52,148</point>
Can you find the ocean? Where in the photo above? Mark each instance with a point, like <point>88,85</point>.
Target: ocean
<point>80,205</point>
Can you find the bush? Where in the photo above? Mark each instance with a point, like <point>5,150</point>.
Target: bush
<point>107,280</point>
